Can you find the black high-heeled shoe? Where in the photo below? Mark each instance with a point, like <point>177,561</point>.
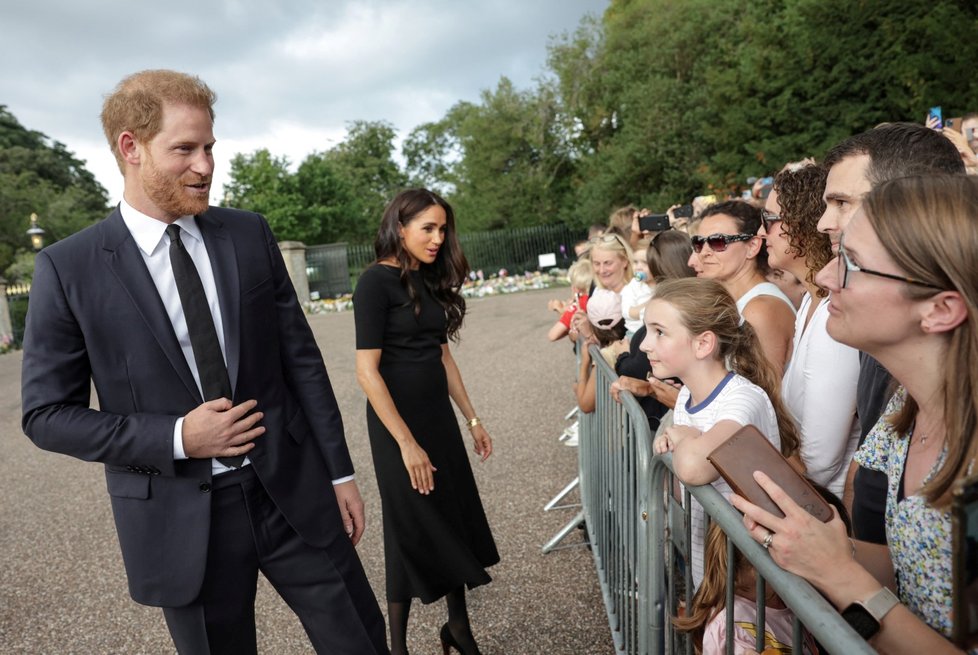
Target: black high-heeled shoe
<point>448,642</point>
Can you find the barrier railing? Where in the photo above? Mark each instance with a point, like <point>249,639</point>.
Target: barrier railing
<point>640,533</point>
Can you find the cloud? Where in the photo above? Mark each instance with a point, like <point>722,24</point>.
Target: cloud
<point>289,76</point>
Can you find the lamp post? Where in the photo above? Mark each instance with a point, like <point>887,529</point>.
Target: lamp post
<point>36,233</point>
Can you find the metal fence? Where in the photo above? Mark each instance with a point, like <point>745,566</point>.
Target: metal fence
<point>332,268</point>
<point>640,538</point>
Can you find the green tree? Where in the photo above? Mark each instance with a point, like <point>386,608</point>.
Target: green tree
<point>366,173</point>
<point>504,162</point>
<point>40,175</point>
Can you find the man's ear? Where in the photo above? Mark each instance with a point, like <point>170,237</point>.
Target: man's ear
<point>704,344</point>
<point>129,148</point>
<point>943,312</point>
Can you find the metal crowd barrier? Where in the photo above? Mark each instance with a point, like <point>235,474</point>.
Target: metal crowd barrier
<point>640,538</point>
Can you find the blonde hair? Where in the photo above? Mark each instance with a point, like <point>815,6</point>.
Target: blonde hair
<point>929,227</point>
<point>705,306</point>
<point>580,274</point>
<point>621,218</point>
<point>615,243</point>
<point>136,104</point>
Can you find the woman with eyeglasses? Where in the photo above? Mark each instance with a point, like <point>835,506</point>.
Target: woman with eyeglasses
<point>819,384</point>
<point>903,290</point>
<point>730,252</point>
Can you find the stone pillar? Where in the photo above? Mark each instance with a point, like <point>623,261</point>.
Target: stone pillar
<point>6,327</point>
<point>294,253</point>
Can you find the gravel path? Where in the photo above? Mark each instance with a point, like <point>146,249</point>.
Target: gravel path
<point>62,585</point>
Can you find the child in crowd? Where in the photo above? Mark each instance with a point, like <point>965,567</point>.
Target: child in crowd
<point>638,291</point>
<point>580,277</point>
<point>695,333</point>
<point>706,620</point>
<point>606,328</point>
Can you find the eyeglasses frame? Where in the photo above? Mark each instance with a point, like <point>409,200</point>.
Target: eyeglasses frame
<point>847,266</point>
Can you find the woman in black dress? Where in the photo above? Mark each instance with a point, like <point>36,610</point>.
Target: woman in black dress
<point>407,306</point>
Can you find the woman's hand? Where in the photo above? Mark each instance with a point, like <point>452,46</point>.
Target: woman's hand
<point>799,542</point>
<point>419,467</point>
<point>483,442</point>
<point>634,386</point>
<point>665,392</point>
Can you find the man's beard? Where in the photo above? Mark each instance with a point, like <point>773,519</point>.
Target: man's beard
<point>168,193</point>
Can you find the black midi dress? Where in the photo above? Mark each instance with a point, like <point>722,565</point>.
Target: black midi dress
<point>437,542</point>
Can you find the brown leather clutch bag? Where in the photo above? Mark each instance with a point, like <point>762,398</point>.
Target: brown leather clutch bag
<point>747,451</point>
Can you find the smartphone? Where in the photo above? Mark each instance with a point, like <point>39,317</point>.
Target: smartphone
<point>683,211</point>
<point>964,561</point>
<point>653,223</point>
<point>935,113</point>
<point>953,123</point>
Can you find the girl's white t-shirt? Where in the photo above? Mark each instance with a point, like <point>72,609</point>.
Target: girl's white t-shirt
<point>735,399</point>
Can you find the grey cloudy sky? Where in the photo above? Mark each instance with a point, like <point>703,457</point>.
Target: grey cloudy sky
<point>289,75</point>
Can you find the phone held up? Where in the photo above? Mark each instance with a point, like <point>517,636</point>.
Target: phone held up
<point>935,119</point>
<point>653,223</point>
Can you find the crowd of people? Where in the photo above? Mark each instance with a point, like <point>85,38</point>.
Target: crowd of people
<point>833,307</point>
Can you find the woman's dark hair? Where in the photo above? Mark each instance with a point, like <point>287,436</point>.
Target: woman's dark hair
<point>668,256</point>
<point>443,277</point>
<point>748,220</point>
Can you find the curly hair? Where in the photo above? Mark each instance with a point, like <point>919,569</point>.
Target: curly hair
<point>800,197</point>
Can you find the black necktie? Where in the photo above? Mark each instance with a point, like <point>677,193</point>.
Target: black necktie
<point>213,373</point>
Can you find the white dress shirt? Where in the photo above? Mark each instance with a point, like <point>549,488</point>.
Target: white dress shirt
<point>154,245</point>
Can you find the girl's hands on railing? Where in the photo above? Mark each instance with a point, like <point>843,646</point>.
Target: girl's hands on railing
<point>666,442</point>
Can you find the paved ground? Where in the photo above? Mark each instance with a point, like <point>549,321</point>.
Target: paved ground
<point>62,586</point>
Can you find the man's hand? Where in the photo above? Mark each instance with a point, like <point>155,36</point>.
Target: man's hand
<point>219,429</point>
<point>351,509</point>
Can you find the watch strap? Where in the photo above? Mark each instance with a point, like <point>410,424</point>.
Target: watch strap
<point>880,603</point>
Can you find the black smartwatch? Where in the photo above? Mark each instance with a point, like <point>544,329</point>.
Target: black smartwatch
<point>865,615</point>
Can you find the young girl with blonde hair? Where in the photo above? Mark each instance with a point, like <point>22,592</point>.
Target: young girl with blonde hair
<point>695,333</point>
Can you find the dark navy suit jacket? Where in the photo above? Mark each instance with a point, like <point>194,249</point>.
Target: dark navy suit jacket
<point>95,316</point>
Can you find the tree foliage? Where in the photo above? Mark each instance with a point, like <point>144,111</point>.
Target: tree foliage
<point>335,195</point>
<point>38,175</point>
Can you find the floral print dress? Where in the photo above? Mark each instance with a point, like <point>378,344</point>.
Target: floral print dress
<point>919,536</point>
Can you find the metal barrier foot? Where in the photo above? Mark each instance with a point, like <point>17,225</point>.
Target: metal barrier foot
<point>576,522</point>
<point>559,497</point>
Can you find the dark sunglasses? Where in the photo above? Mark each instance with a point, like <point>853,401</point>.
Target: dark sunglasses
<point>769,219</point>
<point>719,242</point>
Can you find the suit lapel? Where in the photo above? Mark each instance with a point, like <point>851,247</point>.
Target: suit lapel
<point>224,263</point>
<point>126,263</point>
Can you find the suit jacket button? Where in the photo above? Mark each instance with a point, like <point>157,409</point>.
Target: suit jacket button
<point>204,487</point>
<point>129,468</point>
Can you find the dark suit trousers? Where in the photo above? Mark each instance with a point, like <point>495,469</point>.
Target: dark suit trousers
<point>326,588</point>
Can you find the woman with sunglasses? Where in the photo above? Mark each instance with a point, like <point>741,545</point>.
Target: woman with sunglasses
<point>819,384</point>
<point>904,290</point>
<point>730,252</point>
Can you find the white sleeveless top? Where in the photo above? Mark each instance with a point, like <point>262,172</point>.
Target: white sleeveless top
<point>763,289</point>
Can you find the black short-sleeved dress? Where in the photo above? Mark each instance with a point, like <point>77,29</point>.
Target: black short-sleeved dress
<point>432,543</point>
